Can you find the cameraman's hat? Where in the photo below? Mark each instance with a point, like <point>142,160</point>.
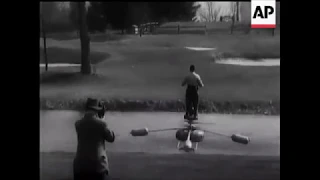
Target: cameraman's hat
<point>94,104</point>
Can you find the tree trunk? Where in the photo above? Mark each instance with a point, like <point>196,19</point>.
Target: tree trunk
<point>238,13</point>
<point>84,39</point>
<point>232,25</point>
<point>234,11</point>
<point>44,43</point>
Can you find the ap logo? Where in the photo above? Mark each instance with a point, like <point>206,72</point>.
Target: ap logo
<point>263,14</point>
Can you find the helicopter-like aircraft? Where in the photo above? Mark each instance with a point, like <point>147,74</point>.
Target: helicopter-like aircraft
<point>190,134</point>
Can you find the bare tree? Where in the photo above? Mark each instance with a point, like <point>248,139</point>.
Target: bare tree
<point>204,17</point>
<point>84,39</point>
<point>238,11</point>
<point>233,11</point>
<point>210,10</point>
<point>216,13</point>
<point>210,13</point>
<point>43,32</point>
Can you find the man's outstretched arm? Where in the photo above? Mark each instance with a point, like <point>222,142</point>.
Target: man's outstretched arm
<point>199,81</point>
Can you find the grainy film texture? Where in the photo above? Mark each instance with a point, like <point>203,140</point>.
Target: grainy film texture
<point>158,90</point>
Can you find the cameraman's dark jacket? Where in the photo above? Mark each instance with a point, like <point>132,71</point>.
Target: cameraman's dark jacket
<point>92,134</point>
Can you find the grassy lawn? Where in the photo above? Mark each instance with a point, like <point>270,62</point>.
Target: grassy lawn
<point>252,46</point>
<point>72,56</point>
<point>152,68</point>
<point>228,46</point>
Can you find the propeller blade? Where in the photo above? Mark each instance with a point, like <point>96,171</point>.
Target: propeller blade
<point>214,133</point>
<point>203,123</point>
<point>235,137</point>
<point>168,129</point>
<point>146,131</point>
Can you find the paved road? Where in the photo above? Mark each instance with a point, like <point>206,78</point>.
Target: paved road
<point>57,133</point>
<point>134,166</point>
<point>156,156</point>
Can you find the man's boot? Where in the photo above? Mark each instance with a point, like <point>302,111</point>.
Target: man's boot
<point>195,114</point>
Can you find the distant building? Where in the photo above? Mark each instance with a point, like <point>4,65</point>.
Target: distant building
<point>245,12</point>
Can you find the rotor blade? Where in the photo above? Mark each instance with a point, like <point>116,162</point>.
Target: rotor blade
<point>204,123</point>
<point>235,137</point>
<point>159,130</point>
<point>198,122</point>
<point>214,133</point>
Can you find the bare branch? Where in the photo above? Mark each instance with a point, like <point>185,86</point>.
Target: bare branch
<point>233,8</point>
<point>210,12</point>
<point>233,12</point>
<point>203,16</point>
<point>216,13</point>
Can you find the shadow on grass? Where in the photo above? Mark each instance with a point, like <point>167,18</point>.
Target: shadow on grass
<point>99,37</point>
<point>52,77</point>
<point>107,37</point>
<point>55,78</point>
<point>70,56</point>
<point>62,36</point>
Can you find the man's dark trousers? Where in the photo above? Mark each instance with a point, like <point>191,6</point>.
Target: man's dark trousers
<point>192,100</point>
